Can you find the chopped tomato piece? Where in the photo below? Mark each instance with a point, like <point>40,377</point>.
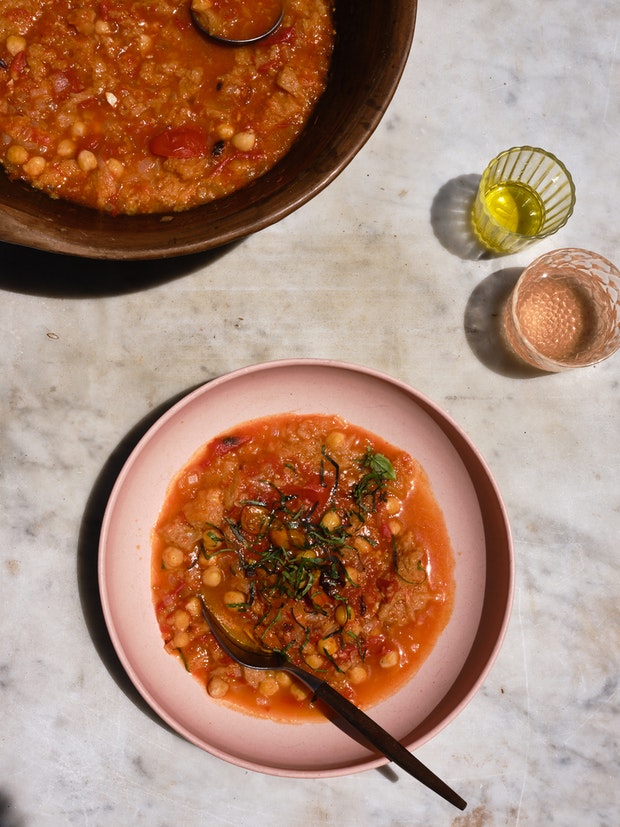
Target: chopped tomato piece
<point>104,10</point>
<point>386,531</point>
<point>285,34</point>
<point>65,83</point>
<point>182,142</point>
<point>310,497</point>
<point>18,65</point>
<point>229,443</point>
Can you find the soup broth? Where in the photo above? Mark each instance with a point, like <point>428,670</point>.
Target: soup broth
<point>129,108</point>
<point>311,536</point>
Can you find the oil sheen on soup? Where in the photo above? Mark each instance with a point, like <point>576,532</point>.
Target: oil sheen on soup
<point>310,536</point>
<point>129,108</point>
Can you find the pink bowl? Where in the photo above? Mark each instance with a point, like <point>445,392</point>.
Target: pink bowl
<point>476,521</point>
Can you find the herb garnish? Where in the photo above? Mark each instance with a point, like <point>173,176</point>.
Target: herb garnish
<point>290,547</point>
<point>371,488</point>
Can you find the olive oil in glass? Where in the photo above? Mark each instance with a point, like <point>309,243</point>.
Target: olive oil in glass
<point>516,207</point>
<point>524,194</point>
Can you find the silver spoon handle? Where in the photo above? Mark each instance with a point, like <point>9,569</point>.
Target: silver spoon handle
<point>378,737</point>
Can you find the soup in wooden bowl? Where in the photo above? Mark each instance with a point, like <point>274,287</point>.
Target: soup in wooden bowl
<point>363,65</point>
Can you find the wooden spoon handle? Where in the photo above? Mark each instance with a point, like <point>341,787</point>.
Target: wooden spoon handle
<point>378,737</point>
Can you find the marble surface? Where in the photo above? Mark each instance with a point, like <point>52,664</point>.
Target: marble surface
<point>376,270</point>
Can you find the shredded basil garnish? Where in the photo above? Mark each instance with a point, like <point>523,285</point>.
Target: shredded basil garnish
<point>293,555</point>
<point>370,490</point>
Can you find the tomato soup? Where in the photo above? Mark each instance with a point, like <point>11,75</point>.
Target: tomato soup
<point>309,536</point>
<point>130,108</point>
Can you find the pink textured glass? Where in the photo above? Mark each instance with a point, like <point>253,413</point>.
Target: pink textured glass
<point>564,311</point>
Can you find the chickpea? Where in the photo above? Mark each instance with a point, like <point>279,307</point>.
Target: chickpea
<point>284,679</point>
<point>244,141</point>
<point>307,554</point>
<point>334,440</point>
<point>389,659</point>
<point>353,575</point>
<point>66,148</point>
<point>212,577</point>
<point>343,614</point>
<point>328,646</point>
<point>78,129</point>
<point>299,692</point>
<point>315,661</point>
<point>225,131</point>
<point>217,687</point>
<point>17,154</point>
<point>212,539</point>
<point>395,526</point>
<point>116,167</point>
<point>279,535</point>
<point>87,160</point>
<point>34,166</point>
<point>102,27</point>
<point>181,620</point>
<point>254,519</point>
<point>206,561</point>
<point>362,545</point>
<point>233,597</point>
<point>393,505</point>
<point>180,640</point>
<point>357,675</point>
<point>172,557</point>
<point>331,520</point>
<point>268,686</point>
<point>193,607</point>
<point>15,44</point>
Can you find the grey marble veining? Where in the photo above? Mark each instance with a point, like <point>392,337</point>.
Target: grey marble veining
<point>377,270</point>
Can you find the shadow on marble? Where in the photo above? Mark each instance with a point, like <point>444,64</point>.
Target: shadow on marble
<point>88,552</point>
<point>8,816</point>
<point>483,325</point>
<point>450,218</point>
<point>38,273</point>
<point>388,772</point>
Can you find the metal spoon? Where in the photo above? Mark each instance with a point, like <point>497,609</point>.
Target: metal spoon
<point>361,723</point>
<point>208,22</point>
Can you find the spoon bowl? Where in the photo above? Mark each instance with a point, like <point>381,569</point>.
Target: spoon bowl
<point>252,657</point>
<point>234,23</point>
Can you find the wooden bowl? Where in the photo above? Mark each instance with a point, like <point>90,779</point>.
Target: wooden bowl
<point>373,43</point>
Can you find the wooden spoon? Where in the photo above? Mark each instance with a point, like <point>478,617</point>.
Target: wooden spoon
<point>369,730</point>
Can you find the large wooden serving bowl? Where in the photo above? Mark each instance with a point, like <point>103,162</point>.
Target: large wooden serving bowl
<point>373,42</point>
